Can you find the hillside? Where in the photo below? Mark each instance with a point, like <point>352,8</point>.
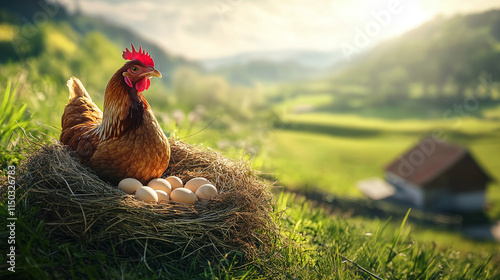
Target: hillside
<point>42,45</point>
<point>274,66</point>
<point>38,60</point>
<point>313,59</point>
<point>24,17</point>
<point>122,36</point>
<point>262,71</point>
<point>306,151</point>
<point>435,65</point>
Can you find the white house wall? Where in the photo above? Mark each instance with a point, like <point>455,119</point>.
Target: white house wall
<point>409,191</point>
<point>439,199</point>
<point>469,201</point>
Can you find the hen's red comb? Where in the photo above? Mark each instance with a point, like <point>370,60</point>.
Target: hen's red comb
<point>140,55</point>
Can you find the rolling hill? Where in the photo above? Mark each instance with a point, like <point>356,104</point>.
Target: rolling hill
<point>27,22</point>
<point>42,45</point>
<point>274,66</point>
<point>442,62</point>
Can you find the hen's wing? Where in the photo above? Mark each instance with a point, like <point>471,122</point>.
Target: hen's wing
<point>80,116</point>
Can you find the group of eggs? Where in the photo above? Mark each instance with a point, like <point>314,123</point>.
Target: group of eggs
<point>161,190</point>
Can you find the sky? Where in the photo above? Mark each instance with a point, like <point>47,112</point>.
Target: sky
<point>205,29</point>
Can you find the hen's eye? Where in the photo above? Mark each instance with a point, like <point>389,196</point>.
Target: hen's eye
<point>134,69</point>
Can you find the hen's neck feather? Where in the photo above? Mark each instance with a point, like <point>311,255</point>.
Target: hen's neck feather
<point>123,108</point>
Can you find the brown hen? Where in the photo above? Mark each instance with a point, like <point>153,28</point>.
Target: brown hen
<point>126,140</point>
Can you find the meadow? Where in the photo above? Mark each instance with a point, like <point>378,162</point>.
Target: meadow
<point>315,243</point>
<point>290,133</point>
<point>314,151</point>
<point>340,149</point>
<point>330,151</point>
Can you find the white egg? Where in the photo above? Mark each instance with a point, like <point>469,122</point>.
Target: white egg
<point>175,182</point>
<point>129,185</point>
<point>146,194</point>
<point>195,183</point>
<point>183,195</point>
<point>206,191</point>
<point>160,184</point>
<point>163,197</point>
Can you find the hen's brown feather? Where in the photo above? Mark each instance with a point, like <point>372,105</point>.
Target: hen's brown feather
<point>126,141</point>
<point>80,116</point>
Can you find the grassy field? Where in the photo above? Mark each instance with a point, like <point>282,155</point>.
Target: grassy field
<point>330,153</point>
<point>336,140</point>
<point>328,163</point>
<point>313,245</point>
<point>412,126</point>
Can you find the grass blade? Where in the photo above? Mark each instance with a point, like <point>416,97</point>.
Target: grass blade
<point>396,238</point>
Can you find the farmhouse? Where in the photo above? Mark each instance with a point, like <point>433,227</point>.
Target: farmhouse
<point>434,175</point>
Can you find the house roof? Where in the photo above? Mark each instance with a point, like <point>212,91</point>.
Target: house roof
<point>427,160</point>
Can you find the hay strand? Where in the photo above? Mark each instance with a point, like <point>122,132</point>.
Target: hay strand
<point>78,206</point>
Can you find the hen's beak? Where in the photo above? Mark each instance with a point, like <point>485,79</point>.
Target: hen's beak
<point>152,73</point>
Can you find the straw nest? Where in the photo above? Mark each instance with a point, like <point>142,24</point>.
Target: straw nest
<point>78,206</point>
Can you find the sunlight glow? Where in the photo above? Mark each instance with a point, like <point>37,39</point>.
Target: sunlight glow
<point>210,29</point>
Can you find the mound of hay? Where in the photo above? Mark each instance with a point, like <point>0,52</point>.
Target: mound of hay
<point>77,205</point>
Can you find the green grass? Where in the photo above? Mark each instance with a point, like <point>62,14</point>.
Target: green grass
<point>441,238</point>
<point>386,249</point>
<point>312,101</point>
<point>412,126</point>
<point>325,151</point>
<point>331,152</point>
<point>13,120</point>
<point>329,163</point>
<point>321,160</point>
<point>314,245</point>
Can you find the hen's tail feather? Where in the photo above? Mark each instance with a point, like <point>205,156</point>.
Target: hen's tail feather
<point>76,89</point>
<point>80,109</point>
